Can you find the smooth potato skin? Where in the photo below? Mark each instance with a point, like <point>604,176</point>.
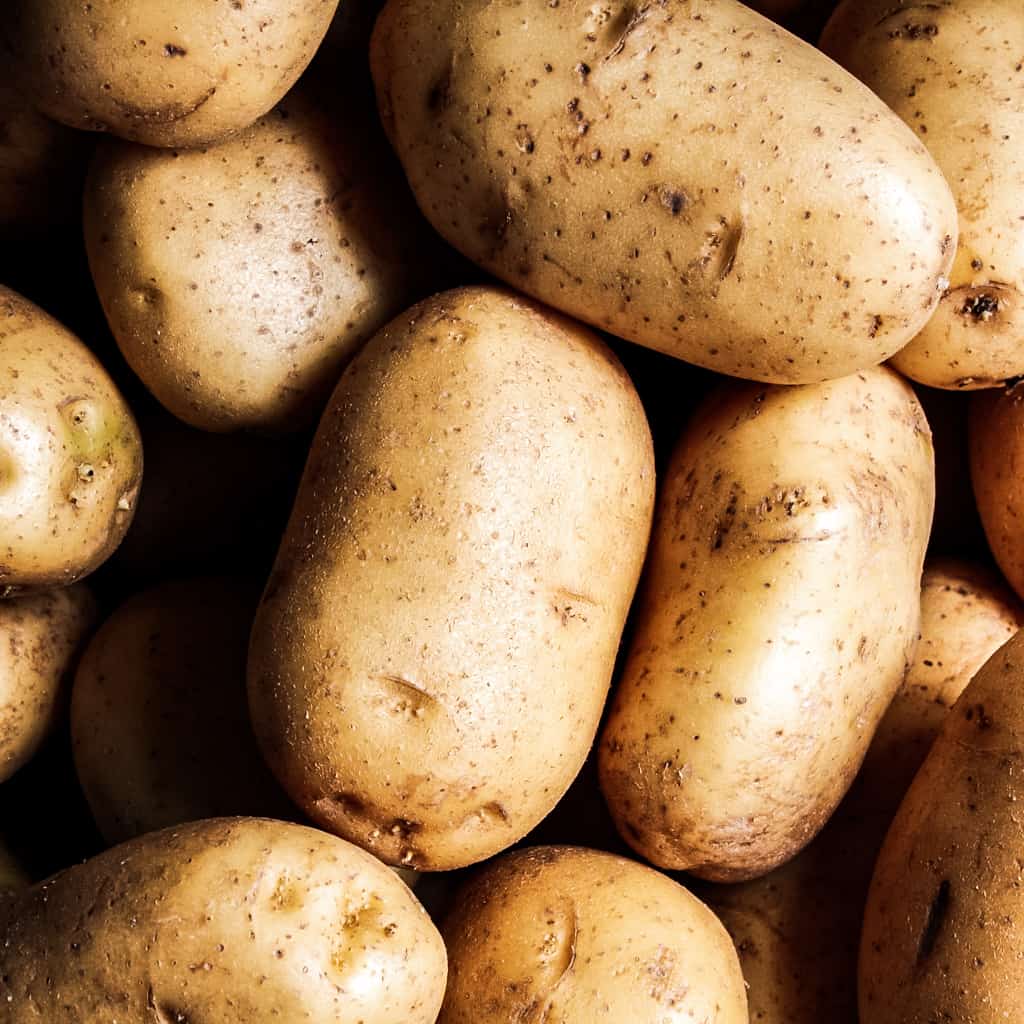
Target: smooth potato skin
<point>764,653</point>
<point>578,936</point>
<point>233,919</point>
<point>951,70</point>
<point>681,173</point>
<point>70,454</point>
<point>434,646</point>
<point>172,75</point>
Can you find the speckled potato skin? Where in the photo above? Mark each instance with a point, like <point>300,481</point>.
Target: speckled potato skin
<point>942,929</point>
<point>226,920</point>
<point>681,173</point>
<point>952,71</point>
<point>172,75</point>
<point>765,649</point>
<point>159,720</point>
<point>239,279</point>
<point>70,454</point>
<point>434,646</point>
<point>578,936</point>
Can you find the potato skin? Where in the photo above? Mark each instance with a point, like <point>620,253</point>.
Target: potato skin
<point>222,921</point>
<point>681,173</point>
<point>951,70</point>
<point>763,655</point>
<point>581,936</point>
<point>172,75</point>
<point>433,650</point>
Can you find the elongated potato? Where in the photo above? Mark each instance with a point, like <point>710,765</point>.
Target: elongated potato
<point>765,651</point>
<point>683,174</point>
<point>952,71</point>
<point>233,919</point>
<point>434,647</point>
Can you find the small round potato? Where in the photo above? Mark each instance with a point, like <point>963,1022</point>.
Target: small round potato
<point>220,922</point>
<point>580,937</point>
<point>165,74</point>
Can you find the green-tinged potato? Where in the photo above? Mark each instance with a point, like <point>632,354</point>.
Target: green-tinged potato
<point>434,647</point>
<point>240,278</point>
<point>165,74</point>
<point>70,455</point>
<point>942,929</point>
<point>765,649</point>
<point>573,935</point>
<point>159,720</point>
<point>952,71</point>
<point>683,174</point>
<point>222,921</point>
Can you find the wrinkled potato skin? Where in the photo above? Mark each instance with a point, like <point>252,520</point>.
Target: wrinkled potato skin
<point>607,160</point>
<point>951,70</point>
<point>942,929</point>
<point>159,721</point>
<point>222,921</point>
<point>764,653</point>
<point>434,647</point>
<point>240,278</point>
<point>70,454</point>
<point>172,75</point>
<point>577,936</point>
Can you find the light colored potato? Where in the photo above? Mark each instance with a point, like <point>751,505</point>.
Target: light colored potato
<point>577,936</point>
<point>765,650</point>
<point>435,644</point>
<point>219,922</point>
<point>685,175</point>
<point>165,74</point>
<point>952,71</point>
<point>70,455</point>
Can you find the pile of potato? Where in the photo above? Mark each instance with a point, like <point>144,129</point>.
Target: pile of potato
<point>487,530</point>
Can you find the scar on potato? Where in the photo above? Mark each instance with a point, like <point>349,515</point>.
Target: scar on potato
<point>409,698</point>
<point>572,604</point>
<point>167,113</point>
<point>937,913</point>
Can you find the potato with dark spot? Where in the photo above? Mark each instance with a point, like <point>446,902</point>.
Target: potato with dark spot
<point>953,72</point>
<point>218,922</point>
<point>576,936</point>
<point>70,455</point>
<point>765,649</point>
<point>434,646</point>
<point>164,74</point>
<point>681,173</point>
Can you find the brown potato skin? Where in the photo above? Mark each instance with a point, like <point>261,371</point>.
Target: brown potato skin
<point>683,174</point>
<point>171,75</point>
<point>232,919</point>
<point>70,454</point>
<point>951,70</point>
<point>574,935</point>
<point>453,584</point>
<point>763,657</point>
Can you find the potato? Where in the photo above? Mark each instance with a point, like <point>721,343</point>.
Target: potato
<point>952,72</point>
<point>682,174</point>
<point>434,646</point>
<point>942,928</point>
<point>765,651</point>
<point>577,936</point>
<point>70,456</point>
<point>223,921</point>
<point>159,720</point>
<point>183,74</point>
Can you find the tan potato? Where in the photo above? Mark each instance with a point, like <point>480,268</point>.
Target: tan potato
<point>223,921</point>
<point>577,936</point>
<point>683,174</point>
<point>70,455</point>
<point>434,647</point>
<point>765,652</point>
<point>951,70</point>
<point>159,720</point>
<point>181,74</point>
